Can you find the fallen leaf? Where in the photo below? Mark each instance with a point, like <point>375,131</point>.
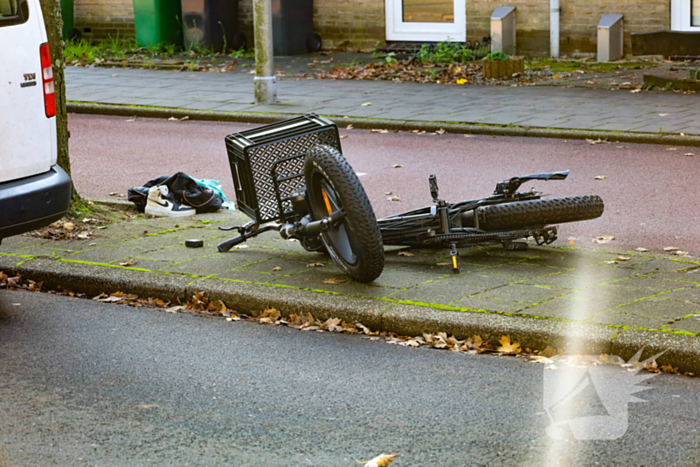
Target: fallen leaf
<point>376,130</point>
<point>379,461</point>
<point>343,136</point>
<point>662,115</point>
<point>315,265</point>
<point>462,81</point>
<point>405,253</point>
<point>600,177</point>
<point>130,262</point>
<point>173,119</point>
<point>549,352</point>
<point>604,239</point>
<point>540,359</point>
<point>393,198</point>
<point>556,76</point>
<point>669,369</point>
<point>442,264</point>
<point>366,104</point>
<point>441,131</point>
<point>636,91</point>
<point>184,118</point>
<point>148,406</point>
<point>129,120</point>
<point>334,280</point>
<point>680,253</point>
<point>396,166</point>
<point>277,268</point>
<point>622,147</point>
<point>611,262</point>
<point>508,348</point>
<point>671,248</point>
<point>468,136</point>
<point>115,75</point>
<point>642,249</point>
<point>671,149</point>
<point>688,154</point>
<point>349,127</point>
<point>622,258</point>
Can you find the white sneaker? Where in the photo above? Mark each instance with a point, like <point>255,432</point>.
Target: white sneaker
<point>161,203</point>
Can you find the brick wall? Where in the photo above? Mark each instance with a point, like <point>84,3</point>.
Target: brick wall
<point>342,24</point>
<point>578,21</point>
<point>104,18</point>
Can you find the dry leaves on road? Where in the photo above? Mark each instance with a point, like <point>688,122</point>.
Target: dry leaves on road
<point>130,262</point>
<point>404,253</point>
<point>597,141</point>
<point>604,239</point>
<point>315,265</point>
<point>377,130</point>
<point>600,177</point>
<point>366,104</point>
<point>397,166</point>
<point>688,154</point>
<point>507,348</point>
<point>334,280</point>
<point>393,198</point>
<point>671,248</point>
<point>642,249</point>
<point>379,461</point>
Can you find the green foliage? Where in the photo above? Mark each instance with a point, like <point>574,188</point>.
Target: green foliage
<point>445,52</point>
<point>390,58</point>
<point>497,56</point>
<point>375,49</point>
<point>242,53</point>
<point>80,50</point>
<point>695,74</point>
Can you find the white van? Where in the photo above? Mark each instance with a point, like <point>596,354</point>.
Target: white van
<point>34,191</point>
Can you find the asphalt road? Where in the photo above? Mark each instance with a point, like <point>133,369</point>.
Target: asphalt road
<point>650,191</point>
<point>88,383</point>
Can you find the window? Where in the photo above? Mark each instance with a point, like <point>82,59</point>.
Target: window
<point>13,12</point>
<point>428,11</point>
<point>695,13</point>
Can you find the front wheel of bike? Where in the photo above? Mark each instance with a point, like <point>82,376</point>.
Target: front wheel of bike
<point>540,212</point>
<point>332,185</point>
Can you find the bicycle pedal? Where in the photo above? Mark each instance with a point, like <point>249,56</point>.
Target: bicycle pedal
<point>456,267</point>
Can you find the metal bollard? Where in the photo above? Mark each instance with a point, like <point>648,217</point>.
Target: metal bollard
<point>610,40</point>
<point>503,30</point>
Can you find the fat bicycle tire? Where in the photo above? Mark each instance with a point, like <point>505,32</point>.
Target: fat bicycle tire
<point>539,212</point>
<point>359,250</point>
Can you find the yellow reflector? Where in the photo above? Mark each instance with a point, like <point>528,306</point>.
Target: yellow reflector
<point>328,203</point>
<point>454,262</point>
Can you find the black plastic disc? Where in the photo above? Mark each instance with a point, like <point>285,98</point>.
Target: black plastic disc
<point>194,243</point>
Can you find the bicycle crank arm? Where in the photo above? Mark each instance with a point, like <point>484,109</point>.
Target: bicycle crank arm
<point>307,227</point>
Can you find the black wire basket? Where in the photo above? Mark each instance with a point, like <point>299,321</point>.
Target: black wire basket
<point>267,164</point>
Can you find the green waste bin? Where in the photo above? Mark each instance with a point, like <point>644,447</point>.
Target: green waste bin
<point>158,22</point>
<point>67,16</point>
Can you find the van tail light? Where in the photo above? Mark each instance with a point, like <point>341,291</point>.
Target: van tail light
<point>47,80</point>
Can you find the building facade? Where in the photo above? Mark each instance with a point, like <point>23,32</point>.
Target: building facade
<point>359,24</point>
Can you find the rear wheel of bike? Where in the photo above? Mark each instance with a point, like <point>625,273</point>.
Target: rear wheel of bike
<point>331,185</point>
<point>540,212</point>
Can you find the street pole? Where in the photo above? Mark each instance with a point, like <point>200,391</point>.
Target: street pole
<point>265,83</point>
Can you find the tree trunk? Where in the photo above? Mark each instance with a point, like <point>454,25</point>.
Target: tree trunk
<point>54,25</point>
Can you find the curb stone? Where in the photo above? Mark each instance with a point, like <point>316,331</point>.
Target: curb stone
<point>682,351</point>
<point>389,124</point>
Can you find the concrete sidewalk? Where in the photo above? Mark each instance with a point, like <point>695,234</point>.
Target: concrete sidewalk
<point>570,299</point>
<point>557,108</point>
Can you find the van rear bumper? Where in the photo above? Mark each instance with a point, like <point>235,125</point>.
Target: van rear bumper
<point>33,202</point>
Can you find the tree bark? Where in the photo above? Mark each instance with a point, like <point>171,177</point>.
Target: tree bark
<point>54,24</point>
